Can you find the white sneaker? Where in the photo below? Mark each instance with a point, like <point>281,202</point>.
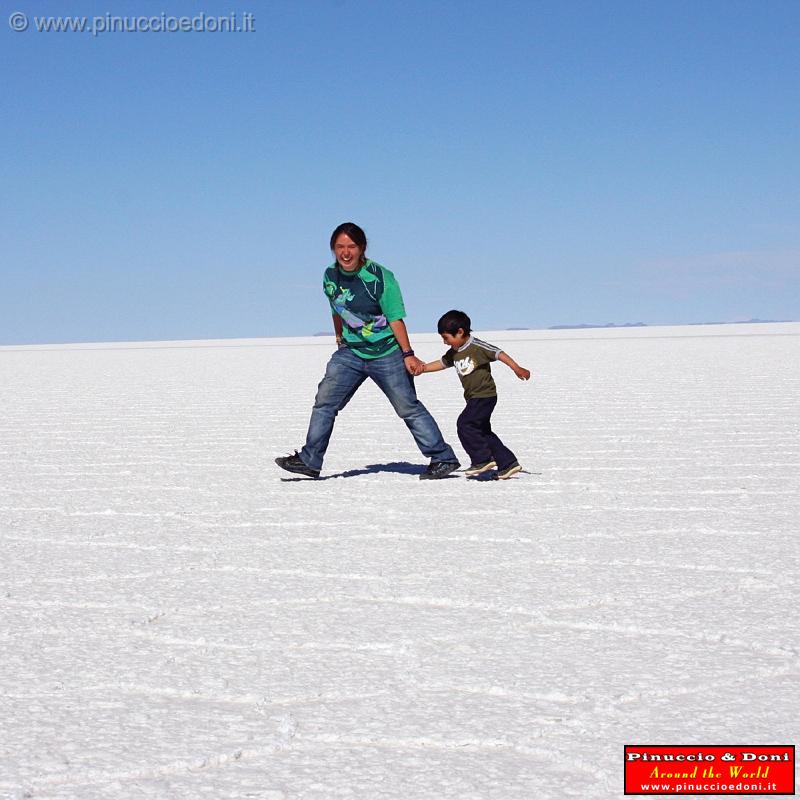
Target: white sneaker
<point>477,469</point>
<point>510,470</point>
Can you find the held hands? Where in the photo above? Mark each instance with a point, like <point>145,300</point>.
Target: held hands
<point>414,366</point>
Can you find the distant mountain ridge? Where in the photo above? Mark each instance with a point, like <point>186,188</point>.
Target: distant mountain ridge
<point>644,324</point>
<point>590,325</point>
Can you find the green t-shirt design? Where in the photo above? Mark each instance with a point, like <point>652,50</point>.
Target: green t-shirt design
<point>367,300</point>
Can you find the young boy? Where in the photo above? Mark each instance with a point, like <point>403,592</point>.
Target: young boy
<point>471,358</point>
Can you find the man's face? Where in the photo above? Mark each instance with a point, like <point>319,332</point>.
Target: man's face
<point>347,252</point>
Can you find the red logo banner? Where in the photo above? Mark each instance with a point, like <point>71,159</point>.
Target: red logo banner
<point>712,769</point>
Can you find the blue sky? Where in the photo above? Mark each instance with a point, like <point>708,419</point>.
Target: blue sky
<point>534,163</point>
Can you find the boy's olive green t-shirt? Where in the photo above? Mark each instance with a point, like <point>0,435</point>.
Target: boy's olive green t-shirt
<point>471,361</point>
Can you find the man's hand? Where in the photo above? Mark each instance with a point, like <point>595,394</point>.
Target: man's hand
<point>414,365</point>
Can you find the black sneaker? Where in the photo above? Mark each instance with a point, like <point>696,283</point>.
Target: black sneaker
<point>477,469</point>
<point>295,464</point>
<point>507,472</point>
<point>439,469</point>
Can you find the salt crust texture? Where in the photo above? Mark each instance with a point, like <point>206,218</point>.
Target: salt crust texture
<point>181,619</point>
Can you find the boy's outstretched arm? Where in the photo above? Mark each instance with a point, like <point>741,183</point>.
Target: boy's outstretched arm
<point>522,373</point>
<point>433,366</point>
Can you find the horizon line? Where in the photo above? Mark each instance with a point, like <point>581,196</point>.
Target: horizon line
<point>263,341</point>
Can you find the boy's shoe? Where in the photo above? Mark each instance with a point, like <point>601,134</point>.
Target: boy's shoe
<point>477,469</point>
<point>439,469</point>
<point>295,464</point>
<point>507,472</point>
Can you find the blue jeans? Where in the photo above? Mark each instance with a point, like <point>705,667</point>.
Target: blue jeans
<point>345,373</point>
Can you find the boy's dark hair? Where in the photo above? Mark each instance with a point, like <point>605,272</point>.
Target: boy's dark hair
<point>353,231</point>
<point>452,321</point>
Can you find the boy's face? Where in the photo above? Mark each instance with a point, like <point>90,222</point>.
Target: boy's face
<point>455,340</point>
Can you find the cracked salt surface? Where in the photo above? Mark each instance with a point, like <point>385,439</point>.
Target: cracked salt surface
<point>180,622</point>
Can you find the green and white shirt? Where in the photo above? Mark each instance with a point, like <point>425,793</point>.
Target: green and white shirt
<point>471,361</point>
<point>367,300</point>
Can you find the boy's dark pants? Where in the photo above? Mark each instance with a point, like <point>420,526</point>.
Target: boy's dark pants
<point>475,432</point>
